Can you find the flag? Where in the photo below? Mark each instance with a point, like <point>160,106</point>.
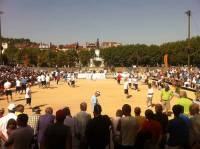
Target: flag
<point>166,60</point>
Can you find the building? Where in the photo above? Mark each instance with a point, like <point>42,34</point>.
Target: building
<point>110,44</point>
<point>73,46</point>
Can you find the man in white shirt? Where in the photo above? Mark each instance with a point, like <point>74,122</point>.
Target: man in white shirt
<point>7,87</point>
<point>43,80</point>
<point>4,120</point>
<point>28,95</point>
<point>126,84</point>
<point>18,86</point>
<point>39,81</point>
<point>47,81</point>
<point>149,96</point>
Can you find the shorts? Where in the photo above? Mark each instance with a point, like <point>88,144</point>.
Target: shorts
<point>125,91</point>
<point>43,82</point>
<point>18,88</point>
<point>166,105</point>
<point>129,84</point>
<point>8,92</point>
<point>28,100</point>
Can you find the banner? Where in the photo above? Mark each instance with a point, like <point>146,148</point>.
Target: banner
<point>166,60</point>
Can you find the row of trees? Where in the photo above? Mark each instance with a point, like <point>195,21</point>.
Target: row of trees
<point>136,54</point>
<point>143,55</point>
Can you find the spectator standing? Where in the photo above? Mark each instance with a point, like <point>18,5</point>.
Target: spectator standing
<point>163,120</point>
<point>177,130</point>
<point>19,109</point>
<point>140,119</point>
<point>22,137</point>
<point>184,101</point>
<point>128,128</point>
<point>72,124</point>
<point>195,126</point>
<point>4,120</point>
<point>82,119</point>
<point>58,135</point>
<point>44,121</point>
<point>115,131</point>
<point>98,130</point>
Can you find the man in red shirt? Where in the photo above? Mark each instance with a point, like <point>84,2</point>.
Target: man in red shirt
<point>119,77</point>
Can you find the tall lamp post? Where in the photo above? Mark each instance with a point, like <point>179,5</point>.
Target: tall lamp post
<point>1,48</point>
<point>188,13</point>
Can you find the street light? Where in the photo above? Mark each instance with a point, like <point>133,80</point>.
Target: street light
<point>1,48</point>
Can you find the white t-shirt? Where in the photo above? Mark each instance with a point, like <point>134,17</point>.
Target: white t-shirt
<point>4,121</point>
<point>7,85</point>
<point>126,85</point>
<point>18,83</point>
<point>39,79</point>
<point>47,79</point>
<point>42,78</point>
<point>28,93</point>
<point>150,92</point>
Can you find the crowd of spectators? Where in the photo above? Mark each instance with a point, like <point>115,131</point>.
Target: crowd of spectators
<point>82,131</point>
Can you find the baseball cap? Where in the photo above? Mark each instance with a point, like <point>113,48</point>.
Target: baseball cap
<point>98,92</point>
<point>36,109</point>
<point>11,106</point>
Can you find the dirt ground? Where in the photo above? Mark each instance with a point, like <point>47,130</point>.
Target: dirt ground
<point>112,96</point>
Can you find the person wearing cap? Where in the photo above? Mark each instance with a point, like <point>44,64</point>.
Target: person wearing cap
<point>94,99</point>
<point>34,119</point>
<point>98,130</point>
<point>166,96</point>
<point>8,91</point>
<point>4,120</point>
<point>63,139</point>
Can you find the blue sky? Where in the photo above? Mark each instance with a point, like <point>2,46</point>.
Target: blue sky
<point>125,21</point>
